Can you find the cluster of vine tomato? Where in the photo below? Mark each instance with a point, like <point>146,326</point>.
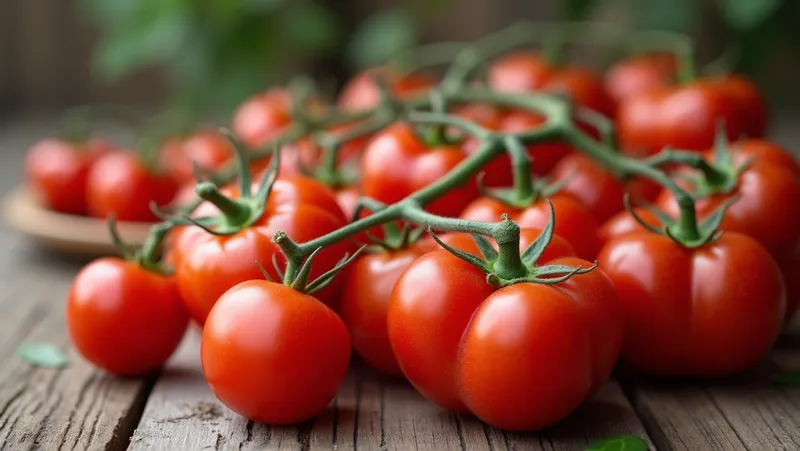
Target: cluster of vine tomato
<point>520,353</point>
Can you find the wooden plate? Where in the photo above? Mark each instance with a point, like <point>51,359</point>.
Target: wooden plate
<point>65,233</point>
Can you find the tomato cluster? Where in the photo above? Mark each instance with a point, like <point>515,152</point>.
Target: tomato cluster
<point>520,328</point>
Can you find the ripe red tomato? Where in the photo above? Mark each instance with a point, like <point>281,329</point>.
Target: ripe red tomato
<point>640,73</point>
<point>750,100</point>
<point>57,171</point>
<point>597,187</point>
<point>527,71</point>
<point>396,163</point>
<point>468,346</point>
<point>708,312</point>
<point>123,318</point>
<point>361,93</point>
<point>208,149</point>
<point>574,222</point>
<point>272,354</point>
<point>209,264</point>
<point>120,184</point>
<point>765,191</point>
<point>261,117</point>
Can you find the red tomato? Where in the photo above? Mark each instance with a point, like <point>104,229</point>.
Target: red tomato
<point>397,163</point>
<point>527,71</point>
<point>120,184</point>
<point>347,198</point>
<point>57,171</point>
<point>467,346</point>
<point>751,103</point>
<point>639,74</point>
<point>598,188</point>
<point>544,157</point>
<point>272,354</point>
<point>123,318</point>
<point>765,191</point>
<point>209,264</point>
<point>574,222</point>
<point>208,149</point>
<point>263,116</point>
<point>361,93</point>
<point>708,312</point>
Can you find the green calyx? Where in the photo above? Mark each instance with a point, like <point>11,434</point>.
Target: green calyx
<point>146,255</point>
<point>707,230</point>
<point>722,175</point>
<point>506,266</point>
<point>394,238</point>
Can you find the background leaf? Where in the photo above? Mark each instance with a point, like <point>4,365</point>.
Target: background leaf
<point>42,354</point>
<point>382,36</point>
<point>619,443</point>
<point>310,26</point>
<point>747,14</point>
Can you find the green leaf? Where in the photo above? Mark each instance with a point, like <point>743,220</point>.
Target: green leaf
<point>787,378</point>
<point>748,14</point>
<point>381,37</point>
<point>578,9</point>
<point>675,15</point>
<point>310,26</point>
<point>42,354</point>
<point>619,443</point>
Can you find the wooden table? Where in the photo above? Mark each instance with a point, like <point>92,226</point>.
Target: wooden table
<point>78,407</point>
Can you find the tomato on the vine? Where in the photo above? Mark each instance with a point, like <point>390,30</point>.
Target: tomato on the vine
<point>361,92</point>
<point>397,163</point>
<point>273,354</point>
<point>210,264</point>
<point>527,71</point>
<point>468,346</point>
<point>58,170</point>
<point>711,311</point>
<point>641,73</point>
<point>120,184</point>
<point>207,149</point>
<point>576,224</point>
<point>123,318</point>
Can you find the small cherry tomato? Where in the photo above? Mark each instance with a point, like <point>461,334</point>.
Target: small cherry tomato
<point>751,103</point>
<point>396,163</point>
<point>208,149</point>
<point>706,312</point>
<point>272,354</point>
<point>576,224</point>
<point>361,93</point>
<point>527,71</point>
<point>261,117</point>
<point>641,73</point>
<point>468,346</point>
<point>57,171</point>
<point>119,184</point>
<point>123,318</point>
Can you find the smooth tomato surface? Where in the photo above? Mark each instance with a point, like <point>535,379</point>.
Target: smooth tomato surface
<point>707,312</point>
<point>206,148</point>
<point>361,93</point>
<point>638,74</point>
<point>123,318</point>
<point>272,354</point>
<point>262,117</point>
<point>58,171</point>
<point>119,184</point>
<point>397,163</point>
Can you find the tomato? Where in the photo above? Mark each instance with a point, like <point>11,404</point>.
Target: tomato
<point>574,223</point>
<point>527,71</point>
<point>123,318</point>
<point>369,282</point>
<point>120,184</point>
<point>521,357</point>
<point>208,149</point>
<point>272,354</point>
<point>361,93</point>
<point>347,198</point>
<point>640,73</point>
<point>751,103</point>
<point>209,264</point>
<point>57,171</point>
<point>766,190</point>
<point>707,312</point>
<point>263,116</point>
<point>396,163</point>
<point>598,188</point>
<point>545,156</point>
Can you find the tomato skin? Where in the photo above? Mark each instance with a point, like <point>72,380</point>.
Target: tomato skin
<point>119,184</point>
<point>206,148</point>
<point>765,190</point>
<point>272,354</point>
<point>678,323</point>
<point>57,171</point>
<point>751,103</point>
<point>684,117</point>
<point>545,156</point>
<point>455,336</point>
<point>574,222</point>
<point>361,93</point>
<point>124,319</point>
<point>396,164</point>
<point>208,265</point>
<point>638,74</point>
<point>261,117</point>
<point>526,71</point>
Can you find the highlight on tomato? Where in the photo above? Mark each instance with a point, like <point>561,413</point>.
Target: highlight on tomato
<point>469,345</point>
<point>206,149</point>
<point>362,93</point>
